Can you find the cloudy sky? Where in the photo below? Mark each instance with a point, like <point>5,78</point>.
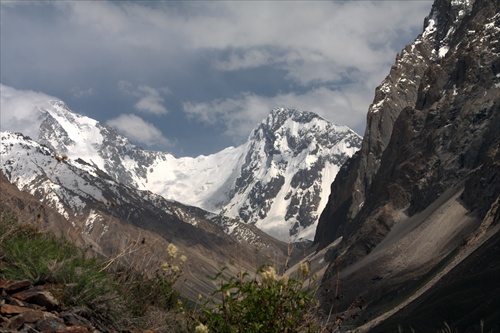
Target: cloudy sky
<point>194,77</point>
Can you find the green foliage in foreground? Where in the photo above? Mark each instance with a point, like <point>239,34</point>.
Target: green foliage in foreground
<point>265,303</point>
<point>117,298</point>
<point>43,258</point>
<point>113,298</point>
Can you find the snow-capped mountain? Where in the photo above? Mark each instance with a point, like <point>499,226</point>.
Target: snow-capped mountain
<point>189,180</point>
<point>83,192</point>
<point>279,180</point>
<point>290,160</point>
<point>111,218</point>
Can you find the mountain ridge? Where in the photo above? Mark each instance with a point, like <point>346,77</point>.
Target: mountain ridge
<point>110,217</point>
<point>309,147</point>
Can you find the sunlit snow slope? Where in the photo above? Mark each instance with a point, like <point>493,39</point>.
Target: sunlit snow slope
<point>279,180</point>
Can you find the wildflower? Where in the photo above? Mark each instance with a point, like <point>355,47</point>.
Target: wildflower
<point>200,298</point>
<point>172,250</point>
<point>304,268</point>
<point>175,268</point>
<point>269,275</point>
<point>165,266</point>
<point>284,279</point>
<point>183,258</point>
<point>201,329</point>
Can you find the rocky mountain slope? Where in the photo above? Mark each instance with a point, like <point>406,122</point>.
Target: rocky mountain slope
<point>276,181</point>
<point>422,194</point>
<point>87,205</point>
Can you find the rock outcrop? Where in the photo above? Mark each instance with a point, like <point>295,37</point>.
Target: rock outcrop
<point>34,309</point>
<point>434,124</point>
<point>424,190</point>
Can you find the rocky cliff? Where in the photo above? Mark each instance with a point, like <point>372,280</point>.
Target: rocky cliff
<point>423,192</point>
<point>434,121</point>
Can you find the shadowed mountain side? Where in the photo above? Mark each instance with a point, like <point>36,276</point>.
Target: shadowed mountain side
<point>468,296</point>
<point>423,192</point>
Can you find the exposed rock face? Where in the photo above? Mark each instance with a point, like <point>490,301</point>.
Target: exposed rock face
<point>397,91</point>
<point>434,120</point>
<point>423,192</point>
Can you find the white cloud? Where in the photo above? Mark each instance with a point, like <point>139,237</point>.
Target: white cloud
<point>20,110</point>
<point>242,113</point>
<point>323,56</point>
<point>138,130</point>
<point>312,41</point>
<point>150,99</point>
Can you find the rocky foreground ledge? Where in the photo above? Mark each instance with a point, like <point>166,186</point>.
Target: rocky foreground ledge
<point>34,309</point>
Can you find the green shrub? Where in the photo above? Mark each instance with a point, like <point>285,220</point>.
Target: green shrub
<point>266,303</point>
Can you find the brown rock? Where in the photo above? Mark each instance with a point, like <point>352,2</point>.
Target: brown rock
<point>72,319</point>
<point>28,329</point>
<point>4,322</point>
<point>13,301</point>
<point>74,329</point>
<point>15,323</point>
<point>50,325</point>
<point>3,284</point>
<point>7,309</point>
<point>33,316</point>
<point>39,297</point>
<point>27,316</point>
<point>16,286</point>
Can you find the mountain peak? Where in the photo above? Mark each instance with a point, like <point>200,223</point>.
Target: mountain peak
<point>279,180</point>
<point>279,116</point>
<point>56,103</point>
<point>444,18</point>
<point>291,158</point>
<point>295,114</point>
